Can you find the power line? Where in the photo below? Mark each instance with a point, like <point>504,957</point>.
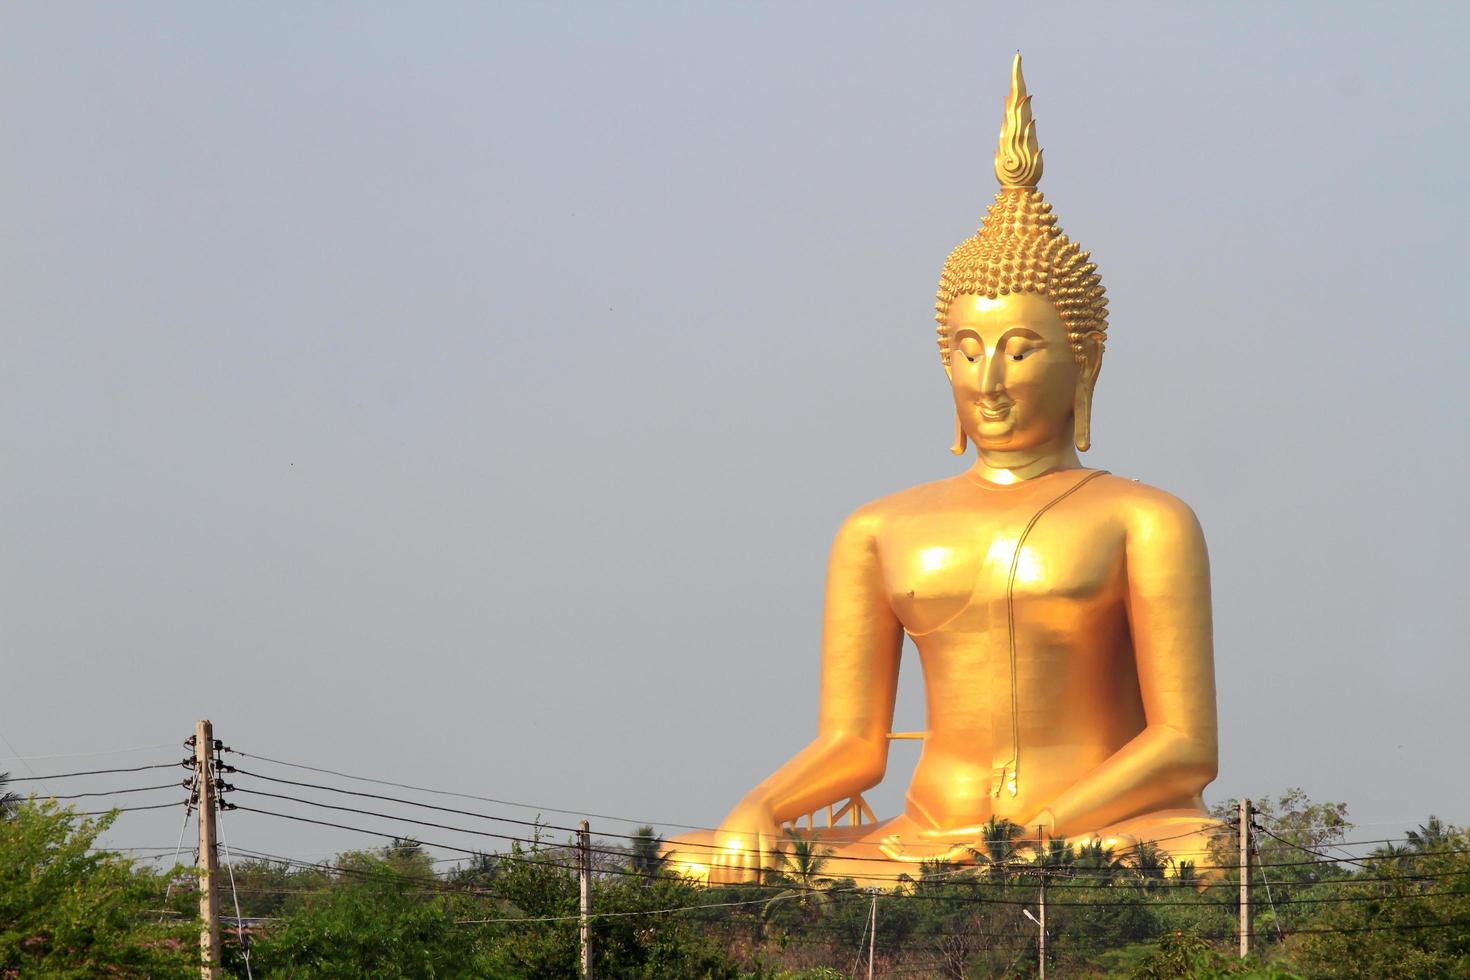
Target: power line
<point>17,757</point>
<point>1141,900</point>
<point>619,915</point>
<point>528,823</point>
<point>1323,859</point>
<point>602,851</point>
<point>83,755</point>
<point>123,809</point>
<point>95,772</point>
<point>239,924</point>
<point>119,792</point>
<point>465,796</point>
<point>712,847</point>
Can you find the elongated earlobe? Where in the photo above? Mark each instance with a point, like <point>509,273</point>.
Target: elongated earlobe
<point>1082,397</point>
<point>960,441</point>
<point>1082,421</point>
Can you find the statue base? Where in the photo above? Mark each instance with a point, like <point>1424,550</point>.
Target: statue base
<point>875,854</point>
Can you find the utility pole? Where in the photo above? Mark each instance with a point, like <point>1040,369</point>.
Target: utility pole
<point>872,932</point>
<point>584,872</point>
<point>1041,907</point>
<point>1041,896</point>
<point>1245,878</point>
<point>208,853</point>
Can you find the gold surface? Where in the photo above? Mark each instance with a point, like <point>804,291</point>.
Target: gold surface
<point>1061,614</point>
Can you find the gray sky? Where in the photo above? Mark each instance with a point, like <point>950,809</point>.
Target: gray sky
<point>468,394</point>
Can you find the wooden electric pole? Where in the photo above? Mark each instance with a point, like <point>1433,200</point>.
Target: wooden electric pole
<point>208,853</point>
<point>1041,897</point>
<point>1041,908</point>
<point>1245,878</point>
<point>872,932</point>
<point>584,872</point>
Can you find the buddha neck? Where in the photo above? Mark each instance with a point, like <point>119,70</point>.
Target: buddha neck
<point>1009,467</point>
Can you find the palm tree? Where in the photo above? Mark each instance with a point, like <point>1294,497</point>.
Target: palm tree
<point>801,864</point>
<point>1098,860</point>
<point>997,848</point>
<point>804,858</point>
<point>9,802</point>
<point>1055,855</point>
<point>646,855</point>
<point>934,875</point>
<point>1149,863</point>
<point>1394,858</point>
<point>480,872</point>
<point>1431,836</point>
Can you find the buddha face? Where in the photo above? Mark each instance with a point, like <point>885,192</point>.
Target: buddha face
<point>1016,384</point>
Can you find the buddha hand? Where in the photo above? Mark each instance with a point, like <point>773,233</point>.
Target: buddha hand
<point>746,842</point>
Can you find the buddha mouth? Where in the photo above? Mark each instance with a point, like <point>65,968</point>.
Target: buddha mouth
<point>995,413</point>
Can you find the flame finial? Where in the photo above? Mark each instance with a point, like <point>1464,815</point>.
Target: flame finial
<point>1018,157</point>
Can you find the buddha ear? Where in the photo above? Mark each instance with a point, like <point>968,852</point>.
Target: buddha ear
<point>961,442</point>
<point>1089,365</point>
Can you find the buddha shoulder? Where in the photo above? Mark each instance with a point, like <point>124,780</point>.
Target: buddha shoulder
<point>1149,517</point>
<point>869,520</point>
<point>1139,511</point>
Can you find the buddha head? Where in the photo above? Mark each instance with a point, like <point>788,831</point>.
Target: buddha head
<point>1021,311</point>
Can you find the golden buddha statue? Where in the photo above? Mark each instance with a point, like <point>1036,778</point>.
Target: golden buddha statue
<point>1061,614</point>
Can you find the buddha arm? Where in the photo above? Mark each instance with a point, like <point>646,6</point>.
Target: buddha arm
<point>861,642</point>
<point>1168,604</point>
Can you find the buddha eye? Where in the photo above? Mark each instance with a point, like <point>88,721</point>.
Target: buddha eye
<point>1022,355</point>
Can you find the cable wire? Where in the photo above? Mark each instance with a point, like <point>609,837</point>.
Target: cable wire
<point>84,755</point>
<point>239,925</point>
<point>188,808</point>
<point>97,772</point>
<point>119,792</point>
<point>711,847</point>
<point>1139,900</point>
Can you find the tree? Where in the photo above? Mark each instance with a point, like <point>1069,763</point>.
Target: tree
<point>264,888</point>
<point>1149,863</point>
<point>1188,957</point>
<point>1415,924</point>
<point>480,873</point>
<point>1392,859</point>
<point>1099,861</point>
<point>69,911</point>
<point>379,916</point>
<point>9,802</point>
<point>1432,836</point>
<point>1294,829</point>
<point>997,848</point>
<point>646,855</point>
<point>801,864</point>
<point>1055,855</point>
<point>804,859</point>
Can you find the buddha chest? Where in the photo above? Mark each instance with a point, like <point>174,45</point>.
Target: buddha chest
<point>983,557</point>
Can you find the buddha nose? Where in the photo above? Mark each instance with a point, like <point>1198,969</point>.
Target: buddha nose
<point>994,381</point>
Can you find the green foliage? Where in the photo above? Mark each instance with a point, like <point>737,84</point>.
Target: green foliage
<point>372,920</point>
<point>799,876</point>
<point>69,911</point>
<point>998,846</point>
<point>1297,827</point>
<point>1180,955</point>
<point>1414,924</point>
<point>9,802</point>
<point>264,888</point>
<point>646,854</point>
